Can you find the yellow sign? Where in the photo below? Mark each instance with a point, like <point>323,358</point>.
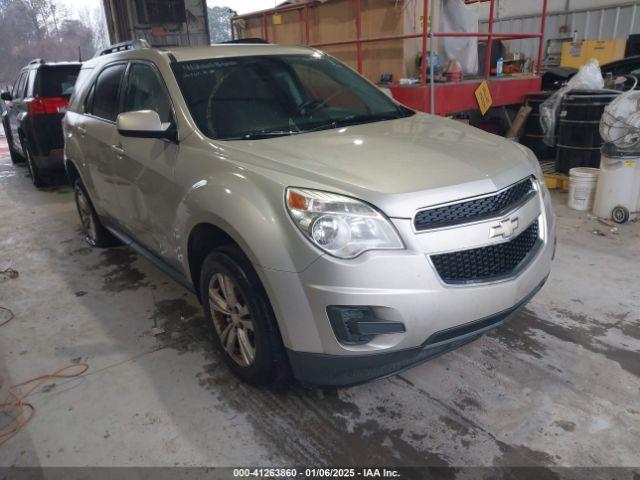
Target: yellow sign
<point>422,21</point>
<point>629,163</point>
<point>277,19</point>
<point>483,96</point>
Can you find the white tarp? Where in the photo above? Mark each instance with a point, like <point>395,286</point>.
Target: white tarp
<point>456,17</point>
<point>589,77</point>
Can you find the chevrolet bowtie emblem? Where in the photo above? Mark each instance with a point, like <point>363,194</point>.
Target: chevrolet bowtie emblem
<point>505,229</point>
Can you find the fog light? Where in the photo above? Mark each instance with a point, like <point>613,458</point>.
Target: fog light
<point>356,325</point>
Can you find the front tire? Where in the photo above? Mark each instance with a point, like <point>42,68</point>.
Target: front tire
<point>244,327</point>
<point>95,234</point>
<point>15,157</point>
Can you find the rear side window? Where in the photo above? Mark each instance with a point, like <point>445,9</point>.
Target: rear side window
<point>18,88</point>
<point>57,81</point>
<point>25,87</point>
<point>14,89</point>
<point>88,102</point>
<point>80,89</point>
<point>105,103</point>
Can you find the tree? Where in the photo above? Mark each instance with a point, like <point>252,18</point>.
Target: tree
<point>220,23</point>
<point>95,19</point>
<point>43,29</point>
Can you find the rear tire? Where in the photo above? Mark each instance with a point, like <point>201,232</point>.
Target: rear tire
<point>95,234</point>
<point>36,175</point>
<point>244,326</point>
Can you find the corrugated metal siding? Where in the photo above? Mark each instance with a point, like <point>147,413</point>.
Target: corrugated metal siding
<point>595,24</point>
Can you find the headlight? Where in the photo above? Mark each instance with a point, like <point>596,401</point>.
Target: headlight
<point>535,163</point>
<point>341,226</point>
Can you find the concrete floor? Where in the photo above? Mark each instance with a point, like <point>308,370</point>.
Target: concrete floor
<point>559,385</point>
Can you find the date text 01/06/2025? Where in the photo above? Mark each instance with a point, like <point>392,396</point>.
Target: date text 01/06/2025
<point>315,473</point>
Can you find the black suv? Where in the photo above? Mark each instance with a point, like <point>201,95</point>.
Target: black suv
<point>33,117</point>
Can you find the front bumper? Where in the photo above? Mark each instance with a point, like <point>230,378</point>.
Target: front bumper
<point>341,371</point>
<point>400,286</point>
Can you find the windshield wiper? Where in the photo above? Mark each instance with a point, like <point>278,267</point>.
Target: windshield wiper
<point>354,120</point>
<point>339,122</point>
<point>262,135</point>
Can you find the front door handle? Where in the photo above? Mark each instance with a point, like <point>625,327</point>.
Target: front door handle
<point>118,149</point>
<point>81,130</point>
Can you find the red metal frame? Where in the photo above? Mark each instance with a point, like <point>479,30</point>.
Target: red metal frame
<point>456,95</point>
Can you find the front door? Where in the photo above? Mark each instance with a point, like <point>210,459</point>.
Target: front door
<point>16,108</point>
<point>145,169</point>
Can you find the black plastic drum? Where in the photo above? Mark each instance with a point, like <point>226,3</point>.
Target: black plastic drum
<point>532,132</point>
<point>579,139</point>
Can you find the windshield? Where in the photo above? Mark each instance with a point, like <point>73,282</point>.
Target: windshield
<point>254,97</point>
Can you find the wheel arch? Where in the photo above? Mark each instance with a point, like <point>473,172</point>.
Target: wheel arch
<point>205,237</point>
<point>72,171</point>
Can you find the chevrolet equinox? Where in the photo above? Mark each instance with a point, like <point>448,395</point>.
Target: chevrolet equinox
<point>329,232</point>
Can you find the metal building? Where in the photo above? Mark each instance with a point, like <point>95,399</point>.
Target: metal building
<point>160,22</point>
<point>615,21</point>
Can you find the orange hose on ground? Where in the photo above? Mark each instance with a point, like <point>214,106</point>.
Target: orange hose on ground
<point>17,399</point>
<point>10,316</point>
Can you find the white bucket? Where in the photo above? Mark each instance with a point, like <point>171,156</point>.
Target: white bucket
<point>582,187</point>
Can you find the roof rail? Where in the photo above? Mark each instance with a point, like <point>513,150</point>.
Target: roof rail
<point>36,60</point>
<point>121,47</point>
<point>247,40</point>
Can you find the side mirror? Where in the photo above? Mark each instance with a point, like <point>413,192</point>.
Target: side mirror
<point>145,124</point>
<point>6,96</point>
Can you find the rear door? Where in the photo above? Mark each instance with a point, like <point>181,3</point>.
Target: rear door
<point>146,166</point>
<point>98,129</point>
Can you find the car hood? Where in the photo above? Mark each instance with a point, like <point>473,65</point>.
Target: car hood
<point>398,165</point>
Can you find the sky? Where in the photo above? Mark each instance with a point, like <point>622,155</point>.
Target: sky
<point>76,6</point>
<point>240,6</point>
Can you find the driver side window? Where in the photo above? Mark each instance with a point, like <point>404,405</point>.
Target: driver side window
<point>146,91</point>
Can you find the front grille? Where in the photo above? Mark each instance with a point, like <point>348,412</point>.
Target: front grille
<point>487,263</point>
<point>474,210</point>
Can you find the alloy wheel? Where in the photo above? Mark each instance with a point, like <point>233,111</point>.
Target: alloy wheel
<point>86,216</point>
<point>232,319</point>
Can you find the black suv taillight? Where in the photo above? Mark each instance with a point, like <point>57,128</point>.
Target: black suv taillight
<point>47,106</point>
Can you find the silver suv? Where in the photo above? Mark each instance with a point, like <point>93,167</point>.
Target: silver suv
<point>329,232</point>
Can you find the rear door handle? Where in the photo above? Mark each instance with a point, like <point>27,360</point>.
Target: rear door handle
<point>118,149</point>
<point>81,130</point>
